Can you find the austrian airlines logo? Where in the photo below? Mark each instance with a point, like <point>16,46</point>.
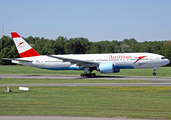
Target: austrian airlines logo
<point>139,58</point>
<point>120,57</point>
<point>126,57</point>
<point>20,44</point>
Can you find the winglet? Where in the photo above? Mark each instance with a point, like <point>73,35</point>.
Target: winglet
<point>24,49</point>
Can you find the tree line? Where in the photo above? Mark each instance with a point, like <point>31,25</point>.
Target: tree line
<point>80,45</point>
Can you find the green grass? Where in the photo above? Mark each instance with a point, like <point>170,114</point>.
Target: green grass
<point>44,81</point>
<point>152,102</point>
<point>134,102</point>
<point>162,71</point>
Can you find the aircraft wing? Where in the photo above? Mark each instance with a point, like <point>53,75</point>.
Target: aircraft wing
<point>17,59</point>
<point>81,63</point>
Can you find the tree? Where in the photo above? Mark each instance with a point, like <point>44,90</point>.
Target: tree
<point>39,45</point>
<point>115,46</point>
<point>6,41</point>
<point>130,42</point>
<point>76,46</point>
<point>125,48</point>
<point>95,48</point>
<point>59,45</point>
<point>166,49</point>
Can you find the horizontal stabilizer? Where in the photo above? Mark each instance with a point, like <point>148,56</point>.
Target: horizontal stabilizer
<point>17,59</point>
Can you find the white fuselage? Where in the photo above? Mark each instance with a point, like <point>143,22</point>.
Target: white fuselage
<point>119,60</point>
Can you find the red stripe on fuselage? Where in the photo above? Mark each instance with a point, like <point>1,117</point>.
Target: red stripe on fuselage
<point>29,53</point>
<point>139,58</point>
<point>14,34</point>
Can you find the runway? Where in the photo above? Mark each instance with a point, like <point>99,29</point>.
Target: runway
<point>157,81</point>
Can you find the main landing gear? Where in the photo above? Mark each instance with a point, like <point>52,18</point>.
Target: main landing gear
<point>88,75</point>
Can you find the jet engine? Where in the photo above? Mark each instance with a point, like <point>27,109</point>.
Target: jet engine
<point>108,68</point>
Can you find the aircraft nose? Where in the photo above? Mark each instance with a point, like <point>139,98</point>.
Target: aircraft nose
<point>167,61</point>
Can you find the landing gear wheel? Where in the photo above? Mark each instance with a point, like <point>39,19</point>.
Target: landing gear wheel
<point>94,75</point>
<point>82,75</point>
<point>88,75</point>
<point>154,73</point>
<point>91,75</point>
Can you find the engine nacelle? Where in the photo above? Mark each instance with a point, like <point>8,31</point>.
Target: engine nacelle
<point>108,68</point>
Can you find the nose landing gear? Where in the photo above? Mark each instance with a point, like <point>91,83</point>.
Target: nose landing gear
<point>154,73</point>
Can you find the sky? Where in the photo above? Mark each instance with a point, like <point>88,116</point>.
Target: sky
<point>96,20</point>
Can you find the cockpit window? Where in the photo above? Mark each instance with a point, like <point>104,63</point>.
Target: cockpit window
<point>163,58</point>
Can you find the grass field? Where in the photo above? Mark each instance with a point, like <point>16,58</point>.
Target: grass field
<point>108,101</point>
<point>162,71</point>
<point>98,101</point>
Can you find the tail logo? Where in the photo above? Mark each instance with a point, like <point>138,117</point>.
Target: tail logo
<point>20,44</point>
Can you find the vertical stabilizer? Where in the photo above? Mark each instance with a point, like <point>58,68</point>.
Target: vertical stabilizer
<point>24,49</point>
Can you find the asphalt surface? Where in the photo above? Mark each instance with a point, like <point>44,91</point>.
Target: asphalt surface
<point>155,78</point>
<point>158,81</point>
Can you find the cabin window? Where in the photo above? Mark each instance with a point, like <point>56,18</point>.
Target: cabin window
<point>102,60</point>
<point>113,59</point>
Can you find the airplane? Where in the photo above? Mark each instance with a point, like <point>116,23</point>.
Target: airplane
<point>104,63</point>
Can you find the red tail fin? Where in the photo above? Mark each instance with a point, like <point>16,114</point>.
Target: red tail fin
<point>24,49</point>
